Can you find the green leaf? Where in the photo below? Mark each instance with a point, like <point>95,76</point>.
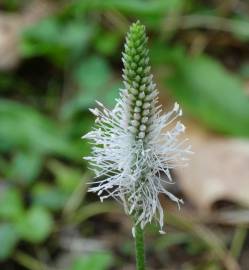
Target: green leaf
<point>11,204</point>
<point>48,196</point>
<point>171,239</point>
<point>25,167</point>
<point>36,132</point>
<point>8,240</point>
<point>36,225</point>
<point>67,178</point>
<point>134,7</point>
<point>93,73</point>
<point>240,28</point>
<point>93,78</point>
<point>107,42</point>
<point>97,261</point>
<point>244,70</point>
<point>112,94</point>
<point>58,40</point>
<point>211,94</point>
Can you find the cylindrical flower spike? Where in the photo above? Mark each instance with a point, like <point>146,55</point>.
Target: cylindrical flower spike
<point>133,152</point>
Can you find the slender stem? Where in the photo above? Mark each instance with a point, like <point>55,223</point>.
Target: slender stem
<point>238,240</point>
<point>29,262</point>
<point>139,242</point>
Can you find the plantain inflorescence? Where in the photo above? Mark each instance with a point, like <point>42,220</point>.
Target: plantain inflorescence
<point>135,145</point>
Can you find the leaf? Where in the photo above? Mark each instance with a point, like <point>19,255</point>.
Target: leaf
<point>25,167</point>
<point>8,240</point>
<point>97,261</point>
<point>11,204</point>
<point>107,42</point>
<point>36,132</point>
<point>77,129</point>
<point>36,225</point>
<point>217,171</point>
<point>67,178</point>
<point>48,196</point>
<point>135,7</point>
<point>93,73</point>
<point>93,209</point>
<point>58,40</point>
<point>165,242</point>
<point>211,94</point>
<point>244,70</point>
<point>11,5</point>
<point>240,28</point>
<point>93,78</point>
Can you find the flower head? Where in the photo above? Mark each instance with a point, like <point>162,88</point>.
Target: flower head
<point>135,145</point>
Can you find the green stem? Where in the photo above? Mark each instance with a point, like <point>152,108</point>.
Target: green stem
<point>29,262</point>
<point>238,240</point>
<point>139,242</point>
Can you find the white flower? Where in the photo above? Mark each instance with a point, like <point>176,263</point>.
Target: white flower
<point>135,145</point>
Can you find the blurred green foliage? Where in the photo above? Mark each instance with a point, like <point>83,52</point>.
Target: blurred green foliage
<point>70,59</point>
<point>210,93</point>
<point>98,261</point>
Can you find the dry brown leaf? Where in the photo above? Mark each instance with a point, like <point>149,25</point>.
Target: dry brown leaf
<point>218,170</point>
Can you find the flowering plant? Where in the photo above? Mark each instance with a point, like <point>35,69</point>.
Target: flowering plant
<point>132,152</point>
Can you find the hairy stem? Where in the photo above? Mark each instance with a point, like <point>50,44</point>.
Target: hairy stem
<point>139,243</point>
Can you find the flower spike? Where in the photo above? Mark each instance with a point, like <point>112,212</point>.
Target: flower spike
<point>132,152</point>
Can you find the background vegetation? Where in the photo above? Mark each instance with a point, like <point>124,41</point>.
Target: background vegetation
<point>56,59</point>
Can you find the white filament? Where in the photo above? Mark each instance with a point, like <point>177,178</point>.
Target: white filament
<point>132,169</point>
